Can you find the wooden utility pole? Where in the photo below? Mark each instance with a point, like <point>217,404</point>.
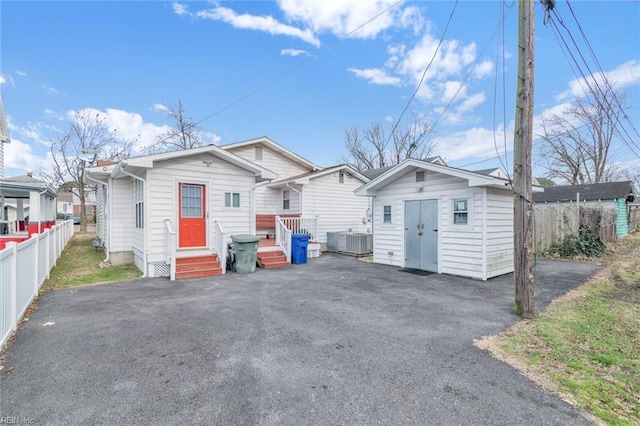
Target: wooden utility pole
<point>522,197</point>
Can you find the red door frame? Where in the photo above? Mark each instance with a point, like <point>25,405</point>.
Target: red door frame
<point>192,218</point>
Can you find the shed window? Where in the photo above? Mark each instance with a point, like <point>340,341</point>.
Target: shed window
<point>285,200</point>
<point>232,199</point>
<point>258,153</point>
<point>386,214</point>
<point>460,212</point>
<point>420,176</point>
<point>139,203</point>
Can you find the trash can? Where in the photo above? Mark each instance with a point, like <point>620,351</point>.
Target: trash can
<point>246,252</point>
<point>299,244</point>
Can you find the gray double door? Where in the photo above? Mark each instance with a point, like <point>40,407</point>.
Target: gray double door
<point>421,235</point>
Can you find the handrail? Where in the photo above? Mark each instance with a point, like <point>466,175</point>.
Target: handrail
<point>283,238</point>
<point>221,245</point>
<point>302,225</point>
<point>170,236</point>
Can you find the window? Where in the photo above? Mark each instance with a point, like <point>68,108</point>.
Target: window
<point>258,153</point>
<point>420,176</point>
<point>232,199</point>
<point>89,209</point>
<point>138,194</point>
<point>341,177</point>
<point>386,214</point>
<point>285,200</point>
<point>191,200</point>
<point>460,212</point>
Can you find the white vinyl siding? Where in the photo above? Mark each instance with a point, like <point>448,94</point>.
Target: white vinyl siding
<point>101,213</point>
<point>335,204</point>
<point>220,177</point>
<point>271,160</point>
<point>499,239</point>
<point>122,219</point>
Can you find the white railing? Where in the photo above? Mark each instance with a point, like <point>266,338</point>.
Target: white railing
<point>24,267</point>
<point>220,245</point>
<point>170,237</point>
<point>283,238</point>
<point>302,225</point>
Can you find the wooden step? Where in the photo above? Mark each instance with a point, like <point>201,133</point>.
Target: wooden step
<point>197,266</point>
<point>272,259</point>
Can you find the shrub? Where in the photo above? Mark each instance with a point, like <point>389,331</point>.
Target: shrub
<point>586,243</point>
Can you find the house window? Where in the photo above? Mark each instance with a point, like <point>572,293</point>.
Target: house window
<point>191,200</point>
<point>285,200</point>
<point>420,176</point>
<point>89,209</point>
<point>138,194</point>
<point>258,153</point>
<point>460,212</point>
<point>386,214</point>
<point>232,199</point>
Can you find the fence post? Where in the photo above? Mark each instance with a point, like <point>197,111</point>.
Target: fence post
<point>36,261</point>
<point>13,308</point>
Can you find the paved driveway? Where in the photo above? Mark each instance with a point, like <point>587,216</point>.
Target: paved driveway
<point>334,341</point>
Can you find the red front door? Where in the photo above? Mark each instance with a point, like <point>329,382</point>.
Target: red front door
<point>192,226</point>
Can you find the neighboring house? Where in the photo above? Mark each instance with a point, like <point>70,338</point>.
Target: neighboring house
<point>303,189</point>
<point>68,203</point>
<point>441,219</point>
<point>165,210</point>
<point>612,195</point>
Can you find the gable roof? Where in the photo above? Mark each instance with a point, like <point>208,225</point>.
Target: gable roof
<point>148,161</point>
<point>274,146</point>
<point>374,173</point>
<point>589,192</point>
<point>303,178</point>
<point>392,174</point>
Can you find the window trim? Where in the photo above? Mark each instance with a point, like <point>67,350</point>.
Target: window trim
<point>455,211</point>
<point>421,176</point>
<point>138,194</point>
<point>385,213</point>
<point>258,153</point>
<point>230,198</point>
<point>286,199</point>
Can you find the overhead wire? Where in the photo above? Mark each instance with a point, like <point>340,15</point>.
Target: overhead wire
<point>295,67</point>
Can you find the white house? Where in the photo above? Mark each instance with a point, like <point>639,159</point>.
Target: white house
<point>442,219</point>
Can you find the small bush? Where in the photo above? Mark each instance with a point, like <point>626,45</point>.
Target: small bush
<point>586,243</point>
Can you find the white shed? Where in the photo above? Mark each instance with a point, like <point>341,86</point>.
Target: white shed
<point>442,219</point>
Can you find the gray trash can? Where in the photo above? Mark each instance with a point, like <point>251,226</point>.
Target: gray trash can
<point>246,250</point>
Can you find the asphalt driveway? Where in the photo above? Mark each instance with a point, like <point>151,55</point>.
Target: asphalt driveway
<point>334,341</point>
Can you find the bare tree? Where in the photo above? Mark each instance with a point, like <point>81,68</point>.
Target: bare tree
<point>87,135</point>
<point>372,147</point>
<point>184,133</point>
<point>576,144</point>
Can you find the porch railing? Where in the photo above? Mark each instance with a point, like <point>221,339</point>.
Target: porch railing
<point>170,238</point>
<point>302,225</point>
<point>283,237</point>
<point>220,245</point>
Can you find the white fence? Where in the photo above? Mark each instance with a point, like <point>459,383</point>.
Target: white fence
<point>24,267</point>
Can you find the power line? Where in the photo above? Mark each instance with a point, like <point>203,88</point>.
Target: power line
<point>295,67</point>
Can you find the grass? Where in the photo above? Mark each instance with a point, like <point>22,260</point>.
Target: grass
<point>586,345</point>
<point>80,265</point>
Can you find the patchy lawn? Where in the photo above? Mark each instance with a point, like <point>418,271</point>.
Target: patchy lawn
<point>80,265</point>
<point>586,345</point>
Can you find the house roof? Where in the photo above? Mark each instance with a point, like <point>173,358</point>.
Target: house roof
<point>21,186</point>
<point>589,192</point>
<point>374,173</point>
<point>305,177</point>
<point>148,161</point>
<point>274,146</point>
<point>390,175</point>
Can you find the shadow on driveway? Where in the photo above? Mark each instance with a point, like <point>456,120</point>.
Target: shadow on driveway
<point>333,341</point>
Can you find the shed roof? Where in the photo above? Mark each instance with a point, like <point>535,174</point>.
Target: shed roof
<point>588,192</point>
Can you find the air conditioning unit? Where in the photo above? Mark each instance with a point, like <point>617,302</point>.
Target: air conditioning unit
<point>355,243</point>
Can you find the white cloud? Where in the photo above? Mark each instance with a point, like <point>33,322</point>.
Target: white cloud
<point>484,68</point>
<point>260,23</point>
<point>49,89</point>
<point>476,142</point>
<point>294,52</point>
<point>452,89</point>
<point>21,73</point>
<point>159,107</point>
<point>20,156</point>
<point>2,80</point>
<point>179,9</point>
<point>376,76</point>
<point>342,17</point>
<point>624,75</point>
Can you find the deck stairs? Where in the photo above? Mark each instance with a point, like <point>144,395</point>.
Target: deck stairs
<point>197,267</point>
<point>271,256</point>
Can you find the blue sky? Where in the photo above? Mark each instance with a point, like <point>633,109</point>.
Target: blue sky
<point>288,70</point>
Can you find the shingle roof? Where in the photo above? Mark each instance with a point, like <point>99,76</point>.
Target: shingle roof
<point>590,192</point>
<point>374,173</point>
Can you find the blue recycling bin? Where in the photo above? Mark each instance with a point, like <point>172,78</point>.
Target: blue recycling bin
<point>299,244</point>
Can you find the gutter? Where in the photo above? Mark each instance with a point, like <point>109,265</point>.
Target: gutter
<point>106,249</point>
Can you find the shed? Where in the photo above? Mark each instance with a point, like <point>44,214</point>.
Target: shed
<point>441,219</point>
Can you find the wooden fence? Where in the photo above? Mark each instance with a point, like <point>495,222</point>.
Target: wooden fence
<point>554,222</point>
<point>634,218</point>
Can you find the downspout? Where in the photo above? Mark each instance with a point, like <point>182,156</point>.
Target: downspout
<point>252,202</point>
<point>146,222</point>
<point>106,249</point>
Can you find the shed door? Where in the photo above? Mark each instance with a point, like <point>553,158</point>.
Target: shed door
<point>192,228</point>
<point>421,235</point>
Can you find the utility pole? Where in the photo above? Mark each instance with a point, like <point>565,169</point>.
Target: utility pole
<point>523,138</point>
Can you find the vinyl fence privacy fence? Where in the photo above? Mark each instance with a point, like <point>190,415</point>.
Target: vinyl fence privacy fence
<point>554,222</point>
<point>24,267</point>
